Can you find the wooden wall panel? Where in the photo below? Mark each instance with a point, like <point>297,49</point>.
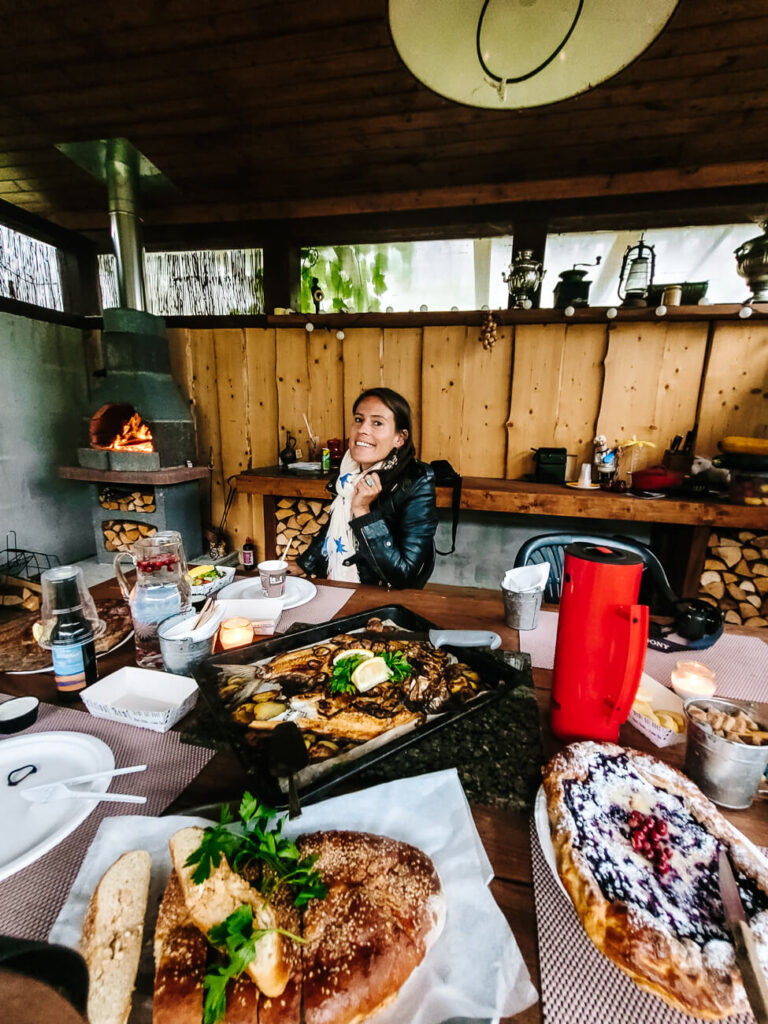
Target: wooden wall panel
<point>735,394</point>
<point>262,395</point>
<point>363,365</point>
<point>441,394</point>
<point>401,370</point>
<point>550,385</point>
<point>652,379</point>
<point>486,376</point>
<point>556,385</point>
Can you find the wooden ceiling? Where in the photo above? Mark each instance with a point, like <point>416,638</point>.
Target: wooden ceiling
<point>293,108</point>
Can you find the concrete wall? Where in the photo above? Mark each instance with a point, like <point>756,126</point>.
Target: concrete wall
<point>486,543</point>
<point>43,399</point>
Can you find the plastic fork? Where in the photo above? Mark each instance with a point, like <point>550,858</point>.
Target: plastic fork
<point>61,791</point>
<point>111,773</point>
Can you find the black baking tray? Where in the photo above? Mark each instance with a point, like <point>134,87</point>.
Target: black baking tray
<point>494,673</point>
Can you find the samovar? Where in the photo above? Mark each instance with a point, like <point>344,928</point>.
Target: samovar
<point>525,275</point>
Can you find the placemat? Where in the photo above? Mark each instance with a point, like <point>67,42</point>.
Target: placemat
<point>324,605</point>
<point>739,662</point>
<point>577,982</point>
<point>30,900</point>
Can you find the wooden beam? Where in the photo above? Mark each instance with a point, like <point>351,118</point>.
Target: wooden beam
<point>682,179</point>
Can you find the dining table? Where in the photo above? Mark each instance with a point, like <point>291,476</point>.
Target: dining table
<point>505,832</point>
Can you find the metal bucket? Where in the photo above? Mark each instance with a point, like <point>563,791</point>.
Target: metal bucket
<point>728,773</point>
<point>521,609</point>
<point>181,655</point>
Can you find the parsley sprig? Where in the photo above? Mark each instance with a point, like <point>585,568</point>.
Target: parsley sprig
<point>237,937</point>
<point>257,838</point>
<point>341,677</point>
<point>399,668</point>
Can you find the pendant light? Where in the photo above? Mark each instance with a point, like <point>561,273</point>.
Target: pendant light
<point>507,54</point>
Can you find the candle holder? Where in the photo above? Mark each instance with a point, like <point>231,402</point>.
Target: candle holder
<point>235,633</point>
<point>692,679</point>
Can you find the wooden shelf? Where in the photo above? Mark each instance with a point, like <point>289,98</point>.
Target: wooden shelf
<point>158,477</point>
<point>520,497</point>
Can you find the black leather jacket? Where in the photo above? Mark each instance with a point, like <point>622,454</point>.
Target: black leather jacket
<point>395,540</point>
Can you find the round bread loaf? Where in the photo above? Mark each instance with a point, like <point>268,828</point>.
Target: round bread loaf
<point>384,909</point>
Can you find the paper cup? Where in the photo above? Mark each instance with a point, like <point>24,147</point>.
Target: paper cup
<point>272,575</point>
<point>521,610</point>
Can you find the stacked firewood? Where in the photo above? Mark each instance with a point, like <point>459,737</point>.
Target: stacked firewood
<point>736,576</point>
<point>299,519</point>
<point>132,501</point>
<point>121,536</point>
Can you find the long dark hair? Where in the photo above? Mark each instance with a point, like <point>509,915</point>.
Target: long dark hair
<point>398,459</point>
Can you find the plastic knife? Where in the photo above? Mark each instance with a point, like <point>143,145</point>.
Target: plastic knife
<point>439,637</point>
<point>752,974</point>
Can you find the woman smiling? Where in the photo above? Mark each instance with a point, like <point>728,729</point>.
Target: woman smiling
<point>383,518</point>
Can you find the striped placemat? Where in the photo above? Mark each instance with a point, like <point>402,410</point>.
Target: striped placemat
<point>31,899</point>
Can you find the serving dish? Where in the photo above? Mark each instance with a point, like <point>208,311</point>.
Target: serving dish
<point>315,781</point>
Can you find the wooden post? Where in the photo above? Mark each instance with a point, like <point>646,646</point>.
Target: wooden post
<point>282,275</point>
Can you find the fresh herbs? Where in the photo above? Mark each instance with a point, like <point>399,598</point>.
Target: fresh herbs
<point>341,678</point>
<point>237,937</point>
<point>399,669</point>
<point>258,838</point>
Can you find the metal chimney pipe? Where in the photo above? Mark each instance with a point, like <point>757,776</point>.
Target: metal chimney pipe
<point>125,223</point>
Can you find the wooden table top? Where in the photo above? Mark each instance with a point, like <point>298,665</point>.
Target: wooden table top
<point>504,833</point>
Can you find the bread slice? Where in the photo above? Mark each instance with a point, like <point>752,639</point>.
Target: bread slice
<point>181,952</point>
<point>112,936</point>
<point>220,895</point>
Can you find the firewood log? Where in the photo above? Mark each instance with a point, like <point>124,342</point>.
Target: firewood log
<point>283,513</point>
<point>293,523</point>
<point>714,564</point>
<point>757,622</point>
<point>302,506</point>
<point>746,535</point>
<point>312,527</point>
<point>747,611</point>
<point>715,589</point>
<point>730,554</point>
<point>303,517</point>
<point>743,568</point>
<point>315,507</point>
<point>733,617</point>
<point>285,503</point>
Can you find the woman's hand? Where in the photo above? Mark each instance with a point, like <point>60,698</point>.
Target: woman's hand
<point>367,490</point>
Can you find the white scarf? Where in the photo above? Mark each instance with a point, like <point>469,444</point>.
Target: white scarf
<point>339,540</point>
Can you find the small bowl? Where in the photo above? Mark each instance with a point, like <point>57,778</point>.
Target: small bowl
<point>18,713</point>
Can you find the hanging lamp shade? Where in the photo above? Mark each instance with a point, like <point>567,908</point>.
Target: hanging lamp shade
<point>507,54</point>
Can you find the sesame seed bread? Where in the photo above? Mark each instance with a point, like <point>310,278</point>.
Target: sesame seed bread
<point>112,936</point>
<point>181,953</point>
<point>384,909</point>
<point>220,895</point>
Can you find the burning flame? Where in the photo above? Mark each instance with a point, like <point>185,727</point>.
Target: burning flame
<point>135,435</point>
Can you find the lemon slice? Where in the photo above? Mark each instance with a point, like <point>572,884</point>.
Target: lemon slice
<point>370,673</point>
<point>354,652</point>
<point>37,631</point>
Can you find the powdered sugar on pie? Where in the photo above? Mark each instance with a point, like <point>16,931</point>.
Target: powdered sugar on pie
<point>637,846</point>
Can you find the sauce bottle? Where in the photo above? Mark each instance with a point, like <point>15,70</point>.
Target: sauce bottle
<point>71,637</point>
<point>248,555</point>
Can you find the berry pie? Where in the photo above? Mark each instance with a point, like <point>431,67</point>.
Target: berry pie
<point>637,847</point>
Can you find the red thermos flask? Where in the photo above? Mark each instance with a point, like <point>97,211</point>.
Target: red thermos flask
<point>602,634</point>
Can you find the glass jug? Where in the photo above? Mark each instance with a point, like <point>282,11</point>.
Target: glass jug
<point>161,589</point>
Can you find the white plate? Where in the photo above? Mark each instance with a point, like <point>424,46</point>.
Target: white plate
<point>297,591</point>
<point>205,589</point>
<point>541,820</point>
<point>30,830</point>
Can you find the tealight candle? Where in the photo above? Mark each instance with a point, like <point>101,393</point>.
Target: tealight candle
<point>235,633</point>
<point>692,679</point>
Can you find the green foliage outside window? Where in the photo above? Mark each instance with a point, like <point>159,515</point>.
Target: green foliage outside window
<point>351,277</point>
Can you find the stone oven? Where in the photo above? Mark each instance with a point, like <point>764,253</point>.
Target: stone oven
<point>138,444</point>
